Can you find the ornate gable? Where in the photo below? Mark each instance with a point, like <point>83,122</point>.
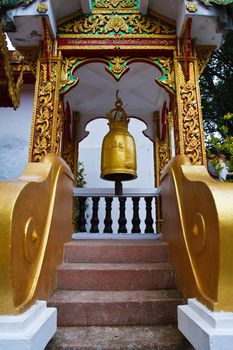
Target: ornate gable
<point>116,24</point>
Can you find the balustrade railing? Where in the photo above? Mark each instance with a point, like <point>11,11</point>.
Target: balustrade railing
<point>102,211</point>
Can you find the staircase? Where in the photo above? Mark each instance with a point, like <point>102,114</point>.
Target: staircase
<point>116,295</point>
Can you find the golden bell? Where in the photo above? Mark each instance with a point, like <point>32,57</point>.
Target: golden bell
<point>118,159</point>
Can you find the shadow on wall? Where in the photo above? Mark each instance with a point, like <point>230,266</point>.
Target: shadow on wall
<point>13,157</point>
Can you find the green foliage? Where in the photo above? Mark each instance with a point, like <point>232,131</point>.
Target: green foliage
<point>217,89</point>
<point>81,176</point>
<point>217,103</point>
<point>80,182</point>
<point>222,145</point>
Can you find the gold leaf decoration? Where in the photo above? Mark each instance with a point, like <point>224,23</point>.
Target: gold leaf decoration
<point>111,4</point>
<point>118,23</point>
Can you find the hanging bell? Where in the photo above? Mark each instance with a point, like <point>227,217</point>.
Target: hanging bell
<point>118,159</point>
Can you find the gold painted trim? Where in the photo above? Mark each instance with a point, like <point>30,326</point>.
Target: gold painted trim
<point>171,48</point>
<point>34,111</point>
<point>117,36</point>
<point>179,108</point>
<point>58,62</point>
<point>109,11</point>
<point>203,54</point>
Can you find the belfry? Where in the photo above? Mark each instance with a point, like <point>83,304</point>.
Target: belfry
<point>146,266</point>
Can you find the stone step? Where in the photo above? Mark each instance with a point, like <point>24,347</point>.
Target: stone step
<point>119,338</point>
<point>90,276</point>
<point>103,308</point>
<point>116,251</point>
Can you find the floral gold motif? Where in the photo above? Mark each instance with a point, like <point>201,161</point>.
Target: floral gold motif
<point>190,122</point>
<point>59,128</point>
<point>186,47</point>
<point>44,120</point>
<point>112,4</point>
<point>167,67</point>
<point>192,6</point>
<point>67,79</point>
<point>189,117</point>
<point>162,148</point>
<point>203,56</point>
<point>164,155</point>
<point>44,127</point>
<point>29,56</point>
<point>117,64</point>
<point>42,7</point>
<point>118,23</point>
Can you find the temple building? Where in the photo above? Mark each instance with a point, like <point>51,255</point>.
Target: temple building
<point>107,92</point>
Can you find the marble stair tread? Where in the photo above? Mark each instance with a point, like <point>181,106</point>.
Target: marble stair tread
<point>119,251</point>
<point>115,266</point>
<point>71,296</point>
<point>115,276</point>
<point>104,308</point>
<point>119,338</point>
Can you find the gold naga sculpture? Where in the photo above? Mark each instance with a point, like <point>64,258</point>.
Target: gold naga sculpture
<point>118,157</point>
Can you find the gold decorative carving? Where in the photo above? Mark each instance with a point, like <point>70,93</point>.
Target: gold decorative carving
<point>186,47</point>
<point>162,149</point>
<point>199,234</point>
<point>42,7</point>
<point>59,128</point>
<point>16,56</point>
<point>167,66</point>
<point>164,155</point>
<point>116,24</point>
<point>111,4</point>
<point>192,6</point>
<point>204,54</point>
<point>104,24</point>
<point>35,210</point>
<point>44,119</point>
<point>67,65</point>
<point>190,125</point>
<point>13,89</point>
<point>192,144</point>
<point>117,64</point>
<point>176,125</point>
<point>30,56</point>
<point>45,113</point>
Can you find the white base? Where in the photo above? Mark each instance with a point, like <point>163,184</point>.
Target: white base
<point>31,330</point>
<point>206,330</point>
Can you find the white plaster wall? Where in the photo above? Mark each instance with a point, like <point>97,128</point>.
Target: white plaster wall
<point>15,136</point>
